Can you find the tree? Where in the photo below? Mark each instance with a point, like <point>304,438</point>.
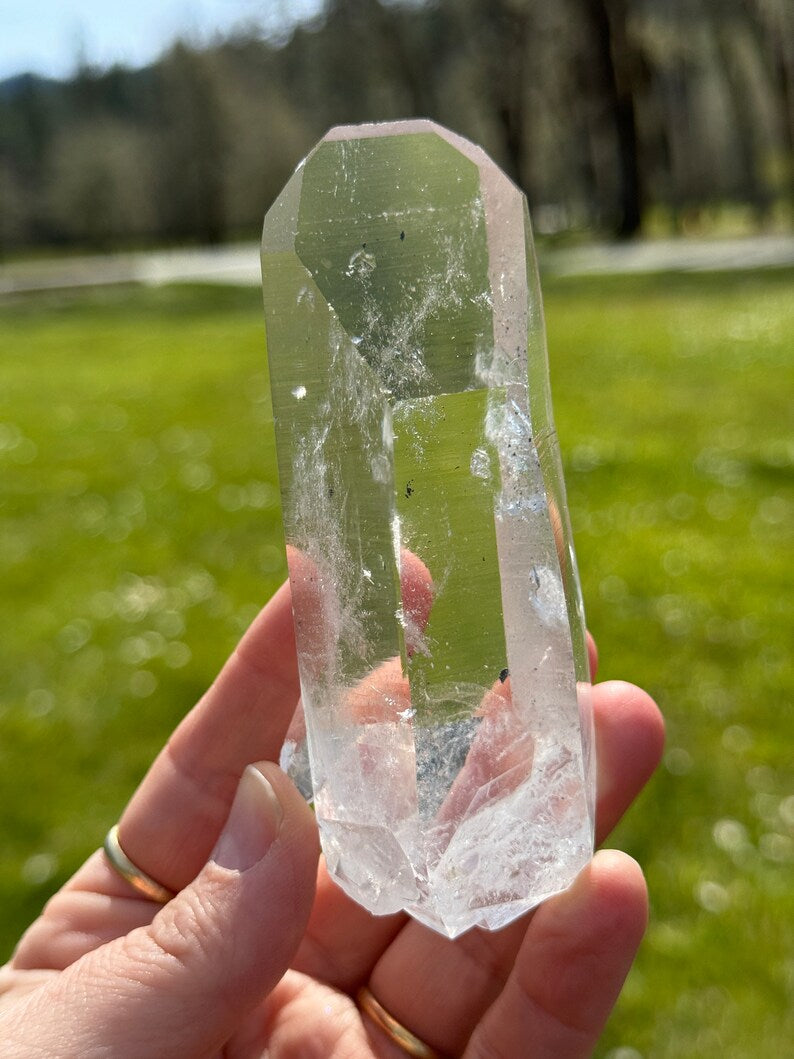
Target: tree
<point>100,186</point>
<point>616,69</point>
<point>193,146</point>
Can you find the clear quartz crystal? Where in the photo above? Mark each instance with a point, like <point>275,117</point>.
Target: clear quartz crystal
<point>438,615</point>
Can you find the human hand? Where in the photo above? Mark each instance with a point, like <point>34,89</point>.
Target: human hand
<point>261,954</point>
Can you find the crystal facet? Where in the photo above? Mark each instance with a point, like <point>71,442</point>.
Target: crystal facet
<point>437,607</point>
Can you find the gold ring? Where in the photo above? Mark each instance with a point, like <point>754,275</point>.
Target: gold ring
<point>144,884</point>
<point>394,1030</point>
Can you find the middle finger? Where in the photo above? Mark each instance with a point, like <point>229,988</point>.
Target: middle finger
<point>457,981</point>
<point>345,945</point>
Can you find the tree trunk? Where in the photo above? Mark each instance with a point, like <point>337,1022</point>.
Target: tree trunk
<point>614,71</point>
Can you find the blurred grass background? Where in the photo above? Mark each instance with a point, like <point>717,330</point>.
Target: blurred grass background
<point>140,533</point>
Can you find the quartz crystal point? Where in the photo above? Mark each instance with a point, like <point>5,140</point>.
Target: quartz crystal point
<point>437,608</point>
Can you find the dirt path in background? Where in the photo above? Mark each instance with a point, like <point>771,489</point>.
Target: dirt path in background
<point>239,264</point>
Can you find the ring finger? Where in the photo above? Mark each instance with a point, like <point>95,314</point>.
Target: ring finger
<point>440,989</point>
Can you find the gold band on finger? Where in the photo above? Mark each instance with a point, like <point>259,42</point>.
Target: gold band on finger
<point>142,883</point>
<point>405,1040</point>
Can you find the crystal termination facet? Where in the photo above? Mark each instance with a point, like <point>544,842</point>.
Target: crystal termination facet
<point>437,608</point>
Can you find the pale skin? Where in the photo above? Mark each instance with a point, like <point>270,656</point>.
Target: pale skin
<point>260,954</point>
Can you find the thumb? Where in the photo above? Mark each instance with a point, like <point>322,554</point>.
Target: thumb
<point>181,985</point>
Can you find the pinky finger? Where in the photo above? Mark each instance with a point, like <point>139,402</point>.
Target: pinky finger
<point>574,959</point>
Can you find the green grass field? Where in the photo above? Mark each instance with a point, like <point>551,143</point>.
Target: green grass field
<point>140,532</point>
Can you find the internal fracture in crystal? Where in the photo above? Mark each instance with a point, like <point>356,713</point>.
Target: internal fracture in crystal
<point>437,608</point>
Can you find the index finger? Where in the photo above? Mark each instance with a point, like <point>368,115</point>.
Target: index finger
<point>172,821</point>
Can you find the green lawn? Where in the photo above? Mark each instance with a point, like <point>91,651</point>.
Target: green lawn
<point>140,532</point>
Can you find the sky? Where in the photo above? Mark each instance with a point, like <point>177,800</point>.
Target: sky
<point>47,36</point>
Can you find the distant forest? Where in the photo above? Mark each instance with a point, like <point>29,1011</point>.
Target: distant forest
<point>612,115</point>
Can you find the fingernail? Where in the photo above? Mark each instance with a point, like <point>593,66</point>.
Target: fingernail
<point>253,823</point>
